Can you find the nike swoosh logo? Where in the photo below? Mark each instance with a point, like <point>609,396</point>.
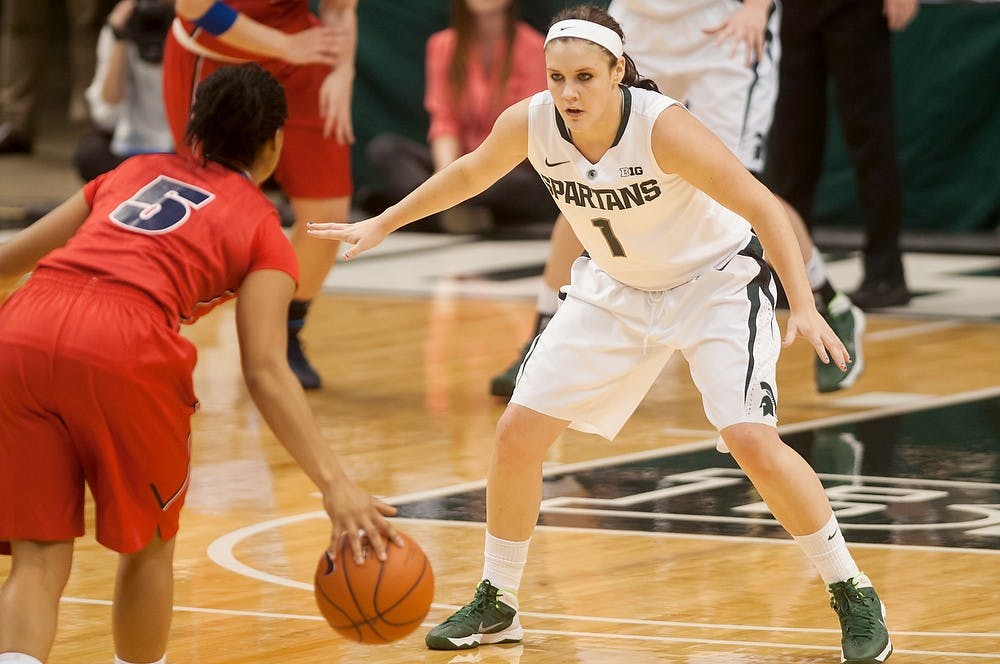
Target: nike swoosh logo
<point>831,537</point>
<point>485,629</point>
<point>558,163</point>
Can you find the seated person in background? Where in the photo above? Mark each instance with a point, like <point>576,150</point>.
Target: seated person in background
<point>125,98</point>
<point>484,62</point>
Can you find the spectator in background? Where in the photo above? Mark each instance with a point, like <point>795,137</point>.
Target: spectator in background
<point>25,35</point>
<point>484,62</point>
<point>846,41</point>
<point>125,98</point>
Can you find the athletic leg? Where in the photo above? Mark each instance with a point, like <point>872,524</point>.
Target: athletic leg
<point>143,603</point>
<point>29,598</point>
<point>797,500</point>
<point>316,258</point>
<point>513,498</point>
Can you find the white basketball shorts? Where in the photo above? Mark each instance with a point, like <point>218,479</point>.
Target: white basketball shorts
<point>732,99</point>
<point>608,342</point>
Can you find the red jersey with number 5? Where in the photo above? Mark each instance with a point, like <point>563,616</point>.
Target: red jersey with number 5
<point>185,233</point>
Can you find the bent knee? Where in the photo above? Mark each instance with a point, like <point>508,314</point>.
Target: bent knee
<point>751,443</point>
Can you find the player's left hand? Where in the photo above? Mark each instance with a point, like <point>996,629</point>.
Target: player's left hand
<point>812,327</point>
<point>363,235</point>
<point>746,26</point>
<point>335,104</point>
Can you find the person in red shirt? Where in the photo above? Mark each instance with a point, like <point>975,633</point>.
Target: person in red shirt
<point>313,58</point>
<point>486,61</point>
<point>96,380</point>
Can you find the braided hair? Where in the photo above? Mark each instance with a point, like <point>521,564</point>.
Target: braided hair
<point>236,111</point>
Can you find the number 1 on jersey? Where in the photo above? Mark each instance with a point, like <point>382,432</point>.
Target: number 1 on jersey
<point>604,224</point>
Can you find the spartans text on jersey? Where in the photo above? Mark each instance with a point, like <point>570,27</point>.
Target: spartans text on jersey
<point>618,198</point>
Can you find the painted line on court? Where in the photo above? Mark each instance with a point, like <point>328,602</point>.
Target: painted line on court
<point>602,635</point>
<point>912,330</point>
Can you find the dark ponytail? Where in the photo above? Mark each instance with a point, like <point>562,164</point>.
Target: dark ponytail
<point>632,78</point>
<point>236,111</point>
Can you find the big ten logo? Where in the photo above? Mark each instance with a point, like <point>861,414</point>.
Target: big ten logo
<point>629,171</point>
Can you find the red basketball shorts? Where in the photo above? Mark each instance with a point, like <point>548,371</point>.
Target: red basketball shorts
<point>311,165</point>
<point>95,387</point>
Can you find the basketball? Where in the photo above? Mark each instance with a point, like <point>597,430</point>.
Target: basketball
<point>375,602</point>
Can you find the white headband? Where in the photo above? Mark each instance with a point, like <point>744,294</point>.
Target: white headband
<point>592,32</point>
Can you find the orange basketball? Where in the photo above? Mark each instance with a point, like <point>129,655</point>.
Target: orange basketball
<point>375,602</point>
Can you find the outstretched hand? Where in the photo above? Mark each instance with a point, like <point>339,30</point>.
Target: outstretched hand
<point>358,516</point>
<point>363,235</point>
<point>812,327</point>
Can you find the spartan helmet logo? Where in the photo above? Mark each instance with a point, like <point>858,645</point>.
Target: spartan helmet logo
<point>767,402</point>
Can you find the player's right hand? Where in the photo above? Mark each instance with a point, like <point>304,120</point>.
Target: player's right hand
<point>363,235</point>
<point>358,516</point>
<point>319,45</point>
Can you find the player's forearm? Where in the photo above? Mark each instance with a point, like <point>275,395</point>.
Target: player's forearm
<point>20,254</point>
<point>342,15</point>
<point>458,182</point>
<point>245,33</point>
<point>280,400</point>
<point>781,250</point>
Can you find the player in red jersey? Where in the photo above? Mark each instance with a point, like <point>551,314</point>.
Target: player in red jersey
<point>96,381</point>
<point>313,58</point>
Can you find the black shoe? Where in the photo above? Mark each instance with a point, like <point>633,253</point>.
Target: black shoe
<point>878,293</point>
<point>307,375</point>
<point>12,142</point>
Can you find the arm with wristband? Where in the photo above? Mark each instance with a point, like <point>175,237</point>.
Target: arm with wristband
<point>315,45</point>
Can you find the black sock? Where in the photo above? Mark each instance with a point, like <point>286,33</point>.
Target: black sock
<point>297,310</point>
<point>824,294</point>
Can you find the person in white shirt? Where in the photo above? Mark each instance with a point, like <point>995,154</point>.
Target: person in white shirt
<point>675,229</point>
<point>125,97</point>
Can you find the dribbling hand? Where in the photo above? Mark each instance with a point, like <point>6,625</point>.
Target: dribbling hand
<point>358,516</point>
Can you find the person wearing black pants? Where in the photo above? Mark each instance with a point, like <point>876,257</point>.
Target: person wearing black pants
<point>846,41</point>
<point>517,197</point>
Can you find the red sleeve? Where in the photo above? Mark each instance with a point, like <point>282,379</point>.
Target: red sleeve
<point>271,249</point>
<point>90,189</point>
<point>437,97</point>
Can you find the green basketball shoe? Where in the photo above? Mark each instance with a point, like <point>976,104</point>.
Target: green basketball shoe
<point>848,323</point>
<point>502,385</point>
<point>491,617</point>
<point>862,621</point>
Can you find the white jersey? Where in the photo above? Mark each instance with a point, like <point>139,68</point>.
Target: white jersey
<point>648,229</point>
<point>663,8</point>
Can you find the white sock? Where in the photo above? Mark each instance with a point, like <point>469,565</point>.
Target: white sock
<point>548,300</point>
<point>18,658</point>
<point>504,562</point>
<point>828,552</point>
<point>119,660</point>
<point>816,270</point>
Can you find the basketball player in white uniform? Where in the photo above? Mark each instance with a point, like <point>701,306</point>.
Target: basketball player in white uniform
<point>720,59</point>
<point>670,220</point>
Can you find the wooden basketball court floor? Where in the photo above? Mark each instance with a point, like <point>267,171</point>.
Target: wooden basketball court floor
<point>653,548</point>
